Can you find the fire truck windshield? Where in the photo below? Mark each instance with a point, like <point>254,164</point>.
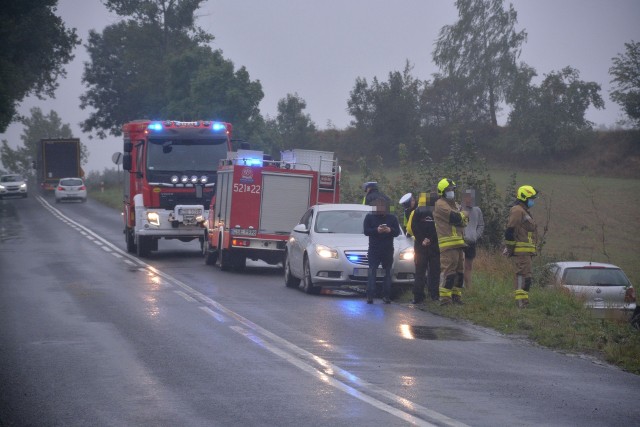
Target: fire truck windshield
<point>178,155</point>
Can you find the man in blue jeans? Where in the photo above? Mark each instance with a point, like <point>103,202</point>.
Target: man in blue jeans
<point>382,228</point>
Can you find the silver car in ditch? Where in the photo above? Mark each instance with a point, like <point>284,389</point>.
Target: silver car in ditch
<point>604,287</point>
<point>327,250</point>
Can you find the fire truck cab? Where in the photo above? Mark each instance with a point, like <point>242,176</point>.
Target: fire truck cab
<point>259,200</point>
<point>171,179</point>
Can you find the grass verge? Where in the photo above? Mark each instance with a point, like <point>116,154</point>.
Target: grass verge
<point>554,318</point>
<point>111,196</point>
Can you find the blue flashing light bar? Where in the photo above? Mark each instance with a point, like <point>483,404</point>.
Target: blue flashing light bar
<point>216,126</point>
<point>252,162</point>
<point>354,258</point>
<point>155,126</point>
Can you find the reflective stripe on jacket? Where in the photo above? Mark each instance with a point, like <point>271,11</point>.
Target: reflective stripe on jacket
<point>450,233</point>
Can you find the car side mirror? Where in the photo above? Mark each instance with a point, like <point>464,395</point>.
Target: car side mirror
<point>301,228</point>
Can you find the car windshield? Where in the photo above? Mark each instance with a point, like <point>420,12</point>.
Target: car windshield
<point>70,182</point>
<point>11,178</point>
<point>344,222</point>
<point>595,277</point>
<point>178,155</point>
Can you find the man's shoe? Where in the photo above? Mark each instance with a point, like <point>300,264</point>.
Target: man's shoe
<point>369,301</point>
<point>457,300</point>
<point>445,301</point>
<point>386,300</point>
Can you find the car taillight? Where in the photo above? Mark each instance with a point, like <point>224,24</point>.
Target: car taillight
<point>83,187</point>
<point>60,188</point>
<point>630,295</point>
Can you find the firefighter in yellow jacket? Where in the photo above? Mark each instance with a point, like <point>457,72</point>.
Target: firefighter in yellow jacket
<point>520,242</point>
<point>450,223</point>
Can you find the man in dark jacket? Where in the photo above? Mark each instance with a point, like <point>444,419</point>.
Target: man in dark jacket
<point>373,193</point>
<point>427,253</point>
<point>382,228</point>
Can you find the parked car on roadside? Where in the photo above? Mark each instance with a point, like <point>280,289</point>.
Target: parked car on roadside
<point>12,185</point>
<point>71,189</point>
<point>328,250</point>
<point>604,287</point>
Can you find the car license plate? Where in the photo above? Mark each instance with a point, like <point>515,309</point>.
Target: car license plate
<point>364,272</point>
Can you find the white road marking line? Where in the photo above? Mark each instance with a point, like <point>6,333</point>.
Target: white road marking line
<point>330,380</point>
<point>185,296</point>
<point>219,317</point>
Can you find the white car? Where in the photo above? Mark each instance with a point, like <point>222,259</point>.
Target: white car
<point>12,185</point>
<point>604,287</point>
<point>71,189</point>
<point>328,250</point>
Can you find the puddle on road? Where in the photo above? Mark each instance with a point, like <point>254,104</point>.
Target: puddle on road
<point>434,333</point>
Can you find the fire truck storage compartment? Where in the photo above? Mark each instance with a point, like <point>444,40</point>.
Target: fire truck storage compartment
<point>319,161</point>
<point>285,198</point>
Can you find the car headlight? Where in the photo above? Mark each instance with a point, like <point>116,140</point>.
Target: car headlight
<point>1,187</point>
<point>326,252</point>
<point>407,254</point>
<point>23,185</point>
<point>153,218</point>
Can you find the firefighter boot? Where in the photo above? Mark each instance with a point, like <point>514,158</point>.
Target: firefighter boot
<point>456,294</point>
<point>446,289</point>
<point>522,296</point>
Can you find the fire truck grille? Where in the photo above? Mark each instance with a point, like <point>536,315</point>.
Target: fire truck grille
<point>170,200</point>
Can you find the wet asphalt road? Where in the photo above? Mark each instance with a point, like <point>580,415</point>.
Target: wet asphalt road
<point>90,335</point>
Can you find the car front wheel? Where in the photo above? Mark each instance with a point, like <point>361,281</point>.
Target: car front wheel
<point>307,284</point>
<point>290,280</point>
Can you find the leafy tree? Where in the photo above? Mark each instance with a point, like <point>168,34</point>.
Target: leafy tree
<point>38,126</point>
<point>295,127</point>
<point>156,64</point>
<point>388,113</point>
<point>452,101</point>
<point>481,49</point>
<point>550,118</point>
<point>35,47</point>
<point>626,78</point>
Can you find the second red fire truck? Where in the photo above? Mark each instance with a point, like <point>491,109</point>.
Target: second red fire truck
<point>258,201</point>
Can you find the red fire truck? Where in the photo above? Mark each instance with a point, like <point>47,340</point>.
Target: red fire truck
<point>259,201</point>
<point>171,177</point>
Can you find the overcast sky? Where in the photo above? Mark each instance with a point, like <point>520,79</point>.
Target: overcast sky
<point>317,49</point>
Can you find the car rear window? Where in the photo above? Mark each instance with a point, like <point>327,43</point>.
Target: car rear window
<point>595,277</point>
<point>71,182</point>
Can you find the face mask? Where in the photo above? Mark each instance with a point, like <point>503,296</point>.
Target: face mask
<point>529,203</point>
<point>449,195</point>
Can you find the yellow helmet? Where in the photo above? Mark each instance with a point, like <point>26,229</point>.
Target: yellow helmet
<point>526,192</point>
<point>444,184</point>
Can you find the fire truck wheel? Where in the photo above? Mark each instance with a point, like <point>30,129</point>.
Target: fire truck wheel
<point>290,280</point>
<point>210,254</point>
<point>128,238</point>
<point>143,246</point>
<point>224,260</point>
<point>307,284</point>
